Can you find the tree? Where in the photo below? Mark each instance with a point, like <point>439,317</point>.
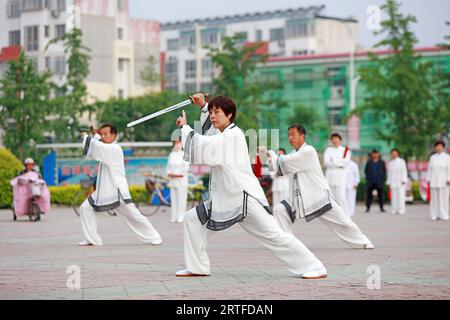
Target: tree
<point>24,106</point>
<point>401,88</point>
<point>149,75</point>
<point>237,64</point>
<point>309,118</point>
<point>119,112</point>
<point>70,102</point>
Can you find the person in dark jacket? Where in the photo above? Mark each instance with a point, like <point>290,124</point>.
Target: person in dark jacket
<point>375,171</point>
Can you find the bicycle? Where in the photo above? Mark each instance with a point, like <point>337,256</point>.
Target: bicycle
<point>34,211</point>
<point>154,186</point>
<point>87,187</point>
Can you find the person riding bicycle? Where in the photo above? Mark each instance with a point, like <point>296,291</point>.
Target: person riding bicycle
<point>30,166</point>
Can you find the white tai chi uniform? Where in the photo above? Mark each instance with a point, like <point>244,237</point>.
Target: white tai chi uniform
<point>310,197</point>
<point>112,193</point>
<point>353,179</point>
<point>335,164</point>
<point>280,188</point>
<point>438,176</point>
<point>397,177</point>
<point>178,186</point>
<point>235,197</point>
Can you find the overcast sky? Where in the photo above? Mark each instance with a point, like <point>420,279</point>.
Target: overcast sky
<point>431,14</point>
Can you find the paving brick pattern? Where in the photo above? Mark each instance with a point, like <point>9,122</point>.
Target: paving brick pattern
<point>412,254</point>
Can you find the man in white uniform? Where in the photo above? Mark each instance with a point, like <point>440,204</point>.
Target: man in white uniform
<point>309,193</point>
<point>111,189</point>
<point>177,170</point>
<point>235,196</point>
<point>353,179</point>
<point>397,177</point>
<point>336,158</point>
<point>280,185</point>
<point>439,179</point>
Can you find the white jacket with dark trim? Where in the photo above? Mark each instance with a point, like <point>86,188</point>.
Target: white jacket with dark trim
<point>112,185</point>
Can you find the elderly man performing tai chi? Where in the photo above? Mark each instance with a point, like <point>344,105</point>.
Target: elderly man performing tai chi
<point>111,190</point>
<point>235,195</point>
<point>309,192</point>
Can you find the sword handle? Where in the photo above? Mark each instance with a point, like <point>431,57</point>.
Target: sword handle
<point>206,95</point>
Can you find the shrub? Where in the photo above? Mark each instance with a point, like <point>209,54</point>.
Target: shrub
<point>10,167</point>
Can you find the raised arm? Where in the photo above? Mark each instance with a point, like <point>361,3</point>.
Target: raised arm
<point>97,150</point>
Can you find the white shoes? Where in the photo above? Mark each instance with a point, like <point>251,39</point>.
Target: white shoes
<point>369,246</point>
<point>315,274</point>
<point>156,242</point>
<point>85,243</point>
<point>187,273</point>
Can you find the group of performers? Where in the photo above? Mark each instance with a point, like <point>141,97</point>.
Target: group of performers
<point>236,196</point>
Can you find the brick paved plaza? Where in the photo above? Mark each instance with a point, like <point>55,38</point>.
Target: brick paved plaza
<point>412,253</point>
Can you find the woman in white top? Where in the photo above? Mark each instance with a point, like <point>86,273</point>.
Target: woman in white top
<point>177,170</point>
<point>439,179</point>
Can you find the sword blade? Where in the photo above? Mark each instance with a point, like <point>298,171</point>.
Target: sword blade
<point>160,113</point>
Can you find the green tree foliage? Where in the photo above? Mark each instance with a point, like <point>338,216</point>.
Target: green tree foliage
<point>403,91</point>
<point>150,75</point>
<point>24,106</point>
<point>10,167</point>
<point>119,112</point>
<point>70,102</point>
<point>237,63</point>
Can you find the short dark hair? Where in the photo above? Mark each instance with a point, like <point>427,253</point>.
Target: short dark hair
<point>395,149</point>
<point>336,135</point>
<point>301,129</point>
<point>282,149</point>
<point>226,104</point>
<point>375,151</point>
<point>440,142</point>
<point>112,129</point>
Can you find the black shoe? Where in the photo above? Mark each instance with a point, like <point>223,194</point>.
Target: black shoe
<point>382,210</point>
<point>367,211</point>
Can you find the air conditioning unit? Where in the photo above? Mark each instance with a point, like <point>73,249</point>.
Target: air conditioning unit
<point>56,13</point>
<point>191,49</point>
<point>281,43</point>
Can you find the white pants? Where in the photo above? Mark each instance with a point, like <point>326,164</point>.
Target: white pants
<point>398,199</point>
<point>132,216</point>
<point>335,219</point>
<point>341,197</point>
<point>291,251</point>
<point>439,203</point>
<point>351,201</point>
<point>178,203</point>
<point>278,196</point>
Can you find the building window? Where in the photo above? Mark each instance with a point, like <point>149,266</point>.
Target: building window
<point>14,38</point>
<point>60,30</point>
<point>191,69</point>
<point>277,34</point>
<point>190,87</point>
<point>13,9</point>
<point>209,36</point>
<point>61,5</point>
<point>259,36</point>
<point>187,38</point>
<point>207,68</point>
<point>206,87</point>
<point>121,5</point>
<point>297,28</point>
<point>29,5</point>
<point>120,33</point>
<point>32,38</point>
<point>47,31</point>
<point>34,63</point>
<point>172,44</point>
<point>59,67</point>
<point>121,64</point>
<point>242,37</point>
<point>120,94</point>
<point>47,63</point>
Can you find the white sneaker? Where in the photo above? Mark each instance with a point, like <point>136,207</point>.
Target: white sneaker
<point>369,246</point>
<point>85,243</point>
<point>156,242</point>
<point>316,274</point>
<point>187,273</point>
